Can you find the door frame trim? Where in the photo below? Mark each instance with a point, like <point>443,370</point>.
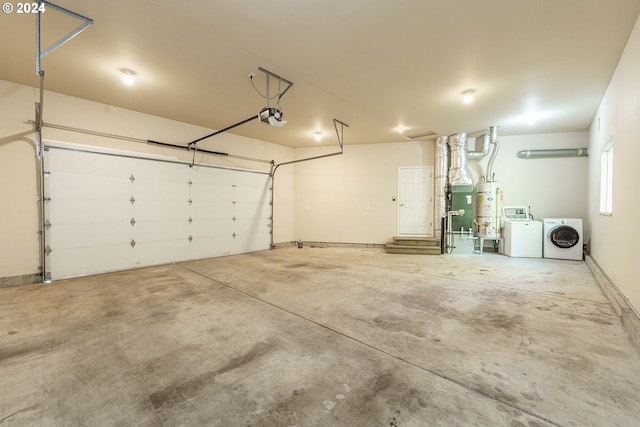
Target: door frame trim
<point>430,206</point>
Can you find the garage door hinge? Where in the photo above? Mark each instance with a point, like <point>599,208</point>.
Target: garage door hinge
<point>132,200</point>
<point>190,220</point>
<point>190,238</point>
<point>234,234</point>
<point>46,173</point>
<point>47,250</point>
<point>190,201</point>
<point>47,225</point>
<point>47,199</point>
<point>190,183</point>
<point>234,219</point>
<point>133,243</point>
<point>133,222</point>
<point>132,178</point>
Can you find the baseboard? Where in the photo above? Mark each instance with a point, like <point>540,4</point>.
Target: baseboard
<point>26,279</point>
<point>627,314</point>
<point>313,244</point>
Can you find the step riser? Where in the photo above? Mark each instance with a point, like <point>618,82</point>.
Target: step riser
<point>413,251</point>
<point>408,242</point>
<point>414,246</point>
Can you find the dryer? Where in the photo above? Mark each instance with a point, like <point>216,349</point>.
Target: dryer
<point>562,238</point>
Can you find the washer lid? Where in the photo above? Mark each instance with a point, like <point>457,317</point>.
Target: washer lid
<point>564,237</point>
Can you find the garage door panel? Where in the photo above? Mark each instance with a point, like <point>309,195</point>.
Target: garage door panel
<point>251,243</point>
<point>211,247</point>
<point>251,195</point>
<point>78,235</point>
<point>160,252</point>
<point>88,211</point>
<point>160,210</point>
<point>211,191</point>
<point>157,231</point>
<point>101,204</point>
<point>162,190</point>
<point>80,162</point>
<point>66,263</point>
<point>211,228</point>
<point>212,210</point>
<point>94,187</point>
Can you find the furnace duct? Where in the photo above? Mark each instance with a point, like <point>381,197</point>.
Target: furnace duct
<point>454,187</point>
<point>442,161</point>
<point>458,170</point>
<point>484,150</point>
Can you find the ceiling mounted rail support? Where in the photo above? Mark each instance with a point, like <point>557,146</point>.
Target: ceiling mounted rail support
<point>44,5</point>
<point>272,116</point>
<point>281,92</point>
<point>274,166</point>
<point>247,120</point>
<point>339,134</point>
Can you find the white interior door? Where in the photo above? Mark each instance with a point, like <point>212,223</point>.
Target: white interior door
<point>415,201</point>
<point>115,212</point>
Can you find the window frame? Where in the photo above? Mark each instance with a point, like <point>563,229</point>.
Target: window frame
<point>606,178</point>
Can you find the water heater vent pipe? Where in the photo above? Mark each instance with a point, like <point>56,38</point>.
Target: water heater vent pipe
<point>493,132</point>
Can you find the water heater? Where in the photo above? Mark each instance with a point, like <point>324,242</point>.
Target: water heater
<point>489,209</point>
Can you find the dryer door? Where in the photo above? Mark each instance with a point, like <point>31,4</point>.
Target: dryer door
<point>564,237</point>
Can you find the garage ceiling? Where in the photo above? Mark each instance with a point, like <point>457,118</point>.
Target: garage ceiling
<point>375,65</point>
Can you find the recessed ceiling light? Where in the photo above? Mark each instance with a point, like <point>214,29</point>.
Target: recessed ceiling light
<point>128,76</point>
<point>400,129</point>
<point>317,136</point>
<point>468,95</point>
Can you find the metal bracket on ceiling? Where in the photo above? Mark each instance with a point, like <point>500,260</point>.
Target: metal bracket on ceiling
<point>265,115</point>
<point>42,5</point>
<point>281,92</point>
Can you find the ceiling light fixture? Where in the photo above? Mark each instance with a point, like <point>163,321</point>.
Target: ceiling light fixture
<point>400,129</point>
<point>317,136</point>
<point>467,96</point>
<point>422,136</point>
<point>128,77</point>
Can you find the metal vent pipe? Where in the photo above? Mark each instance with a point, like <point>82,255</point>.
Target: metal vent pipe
<point>441,168</point>
<point>458,172</point>
<point>560,152</point>
<point>493,131</point>
<point>484,150</point>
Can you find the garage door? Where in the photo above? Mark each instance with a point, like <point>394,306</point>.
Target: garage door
<point>115,211</point>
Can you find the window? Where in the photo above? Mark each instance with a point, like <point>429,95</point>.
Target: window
<point>606,179</point>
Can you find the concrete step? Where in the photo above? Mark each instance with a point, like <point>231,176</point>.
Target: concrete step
<point>413,249</point>
<point>416,241</point>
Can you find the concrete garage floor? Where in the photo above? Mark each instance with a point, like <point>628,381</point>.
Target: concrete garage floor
<point>320,337</point>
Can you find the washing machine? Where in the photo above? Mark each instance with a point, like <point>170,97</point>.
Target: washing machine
<point>522,235</point>
<point>562,238</point>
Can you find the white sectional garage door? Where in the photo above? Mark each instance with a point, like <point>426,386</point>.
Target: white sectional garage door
<point>109,212</point>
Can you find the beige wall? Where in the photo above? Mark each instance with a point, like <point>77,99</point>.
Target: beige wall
<point>348,198</point>
<point>19,248</point>
<point>553,187</point>
<point>615,239</point>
